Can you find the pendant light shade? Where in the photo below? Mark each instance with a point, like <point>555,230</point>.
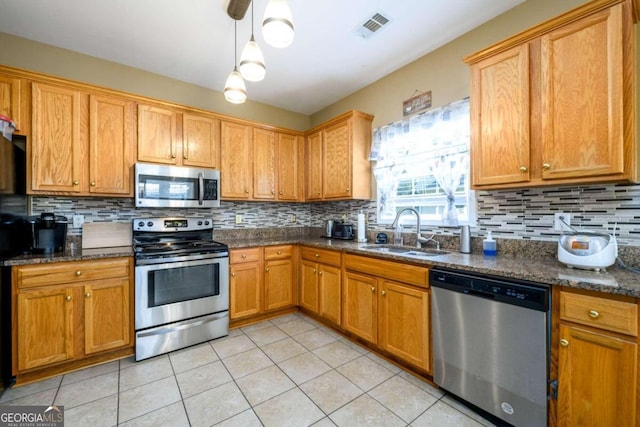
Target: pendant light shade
<point>252,65</point>
<point>234,89</point>
<point>277,25</point>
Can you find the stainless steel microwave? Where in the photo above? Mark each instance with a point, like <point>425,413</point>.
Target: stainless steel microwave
<point>176,186</point>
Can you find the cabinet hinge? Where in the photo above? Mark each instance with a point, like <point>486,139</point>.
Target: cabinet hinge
<point>553,384</point>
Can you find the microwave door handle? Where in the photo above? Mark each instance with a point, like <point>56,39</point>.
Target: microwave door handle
<point>200,189</point>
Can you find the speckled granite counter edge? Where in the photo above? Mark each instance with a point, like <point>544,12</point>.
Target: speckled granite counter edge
<point>71,255</point>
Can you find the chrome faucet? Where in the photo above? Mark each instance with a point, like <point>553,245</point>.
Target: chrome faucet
<point>419,239</point>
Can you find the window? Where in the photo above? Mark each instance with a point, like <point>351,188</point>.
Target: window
<point>423,163</point>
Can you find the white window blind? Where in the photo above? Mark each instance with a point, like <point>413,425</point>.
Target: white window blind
<point>423,163</point>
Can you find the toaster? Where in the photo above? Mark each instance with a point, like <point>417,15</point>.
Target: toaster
<point>343,231</point>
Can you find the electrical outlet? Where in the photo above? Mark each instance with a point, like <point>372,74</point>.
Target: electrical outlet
<point>238,219</point>
<point>344,217</point>
<point>78,220</point>
<point>292,218</point>
<point>558,225</point>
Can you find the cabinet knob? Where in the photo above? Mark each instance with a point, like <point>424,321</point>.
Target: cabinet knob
<point>320,273</point>
<point>173,156</point>
<point>564,342</point>
<point>373,289</point>
<point>76,182</point>
<point>383,293</point>
<point>280,193</point>
<point>92,183</point>
<point>314,271</point>
<point>78,273</point>
<point>523,169</point>
<point>185,157</point>
<point>279,252</point>
<point>317,255</point>
<point>266,269</point>
<point>246,191</point>
<point>348,189</point>
<point>244,255</point>
<point>68,298</point>
<point>233,274</point>
<point>273,192</point>
<point>546,166</point>
<point>594,314</point>
<point>87,295</point>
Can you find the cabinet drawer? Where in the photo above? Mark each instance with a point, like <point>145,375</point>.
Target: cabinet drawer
<point>237,256</point>
<point>398,271</point>
<point>321,255</point>
<point>609,314</point>
<point>278,252</point>
<point>70,272</point>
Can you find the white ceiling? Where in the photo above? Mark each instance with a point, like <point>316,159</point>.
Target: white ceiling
<point>192,40</point>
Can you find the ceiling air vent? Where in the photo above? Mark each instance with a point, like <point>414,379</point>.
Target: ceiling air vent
<point>372,25</point>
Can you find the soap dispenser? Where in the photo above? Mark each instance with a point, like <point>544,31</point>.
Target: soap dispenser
<point>489,246</point>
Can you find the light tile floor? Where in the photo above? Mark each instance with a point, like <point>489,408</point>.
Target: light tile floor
<point>289,371</point>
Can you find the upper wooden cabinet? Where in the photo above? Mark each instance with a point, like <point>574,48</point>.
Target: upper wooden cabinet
<point>236,150</point>
<point>81,143</point>
<point>277,158</point>
<point>337,158</point>
<point>556,104</point>
<point>157,135</point>
<point>12,99</point>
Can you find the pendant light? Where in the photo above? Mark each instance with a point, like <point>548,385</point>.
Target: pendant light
<point>277,25</point>
<point>234,88</point>
<point>252,65</point>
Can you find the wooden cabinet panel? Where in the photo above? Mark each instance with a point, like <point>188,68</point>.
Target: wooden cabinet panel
<point>404,323</point>
<point>309,285</point>
<point>500,118</point>
<point>360,308</point>
<point>608,314</point>
<point>337,171</point>
<point>278,284</point>
<point>314,166</point>
<point>237,256</point>
<point>289,161</point>
<point>10,101</point>
<point>200,141</point>
<point>598,379</point>
<point>235,167</point>
<point>401,272</point>
<point>245,285</point>
<point>157,137</point>
<point>582,99</point>
<point>106,315</point>
<point>45,327</point>
<point>264,169</point>
<point>112,133</point>
<point>278,252</point>
<point>330,290</point>
<point>56,155</point>
<point>323,256</point>
<point>70,272</point>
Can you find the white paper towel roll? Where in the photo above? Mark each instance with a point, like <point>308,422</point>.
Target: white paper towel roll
<point>361,228</point>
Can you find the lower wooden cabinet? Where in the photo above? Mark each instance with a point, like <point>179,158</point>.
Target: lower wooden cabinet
<point>321,282</point>
<point>597,365</point>
<point>69,311</point>
<point>381,309</point>
<point>261,280</point>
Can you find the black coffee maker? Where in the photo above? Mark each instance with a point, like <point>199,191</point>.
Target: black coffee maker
<point>47,233</point>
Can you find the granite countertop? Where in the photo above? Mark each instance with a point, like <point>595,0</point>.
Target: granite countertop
<point>541,270</point>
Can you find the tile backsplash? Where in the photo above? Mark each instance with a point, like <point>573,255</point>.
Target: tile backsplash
<point>511,214</point>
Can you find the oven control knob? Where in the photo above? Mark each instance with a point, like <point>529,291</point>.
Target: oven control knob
<point>206,223</point>
<point>199,222</point>
<point>141,224</point>
<point>150,224</point>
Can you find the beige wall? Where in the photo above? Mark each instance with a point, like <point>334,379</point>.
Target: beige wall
<point>443,71</point>
<point>33,56</point>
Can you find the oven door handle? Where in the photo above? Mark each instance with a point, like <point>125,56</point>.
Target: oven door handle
<point>200,188</point>
<point>162,330</point>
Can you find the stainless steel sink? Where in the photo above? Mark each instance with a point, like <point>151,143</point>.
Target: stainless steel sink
<point>404,251</point>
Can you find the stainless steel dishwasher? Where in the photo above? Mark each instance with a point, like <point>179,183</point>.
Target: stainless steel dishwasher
<point>491,344</point>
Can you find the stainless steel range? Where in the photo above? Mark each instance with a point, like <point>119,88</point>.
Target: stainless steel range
<point>181,284</point>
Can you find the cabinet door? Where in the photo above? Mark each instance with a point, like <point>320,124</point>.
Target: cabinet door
<point>329,283</point>
<point>288,160</point>
<point>278,284</point>
<point>360,308</point>
<point>45,327</point>
<point>56,147</point>
<point>10,98</point>
<point>112,132</point>
<point>157,140</point>
<point>106,315</point>
<point>500,118</point>
<point>597,379</point>
<point>404,323</point>
<point>582,97</point>
<point>264,167</point>
<point>245,290</point>
<point>7,174</point>
<point>309,285</point>
<point>200,141</point>
<point>235,166</point>
<point>337,162</point>
<point>314,166</point>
